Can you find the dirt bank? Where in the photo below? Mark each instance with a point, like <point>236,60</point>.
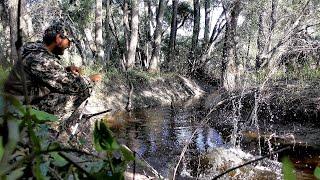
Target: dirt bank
<point>145,92</point>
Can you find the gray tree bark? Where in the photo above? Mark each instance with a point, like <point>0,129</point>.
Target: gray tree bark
<point>148,21</point>
<point>98,33</point>
<point>107,43</point>
<point>26,22</point>
<point>229,61</point>
<point>207,8</point>
<point>134,34</point>
<point>173,31</point>
<point>195,35</point>
<point>4,23</point>
<point>13,13</point>
<point>155,58</point>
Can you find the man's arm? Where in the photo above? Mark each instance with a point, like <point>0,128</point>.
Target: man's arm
<point>48,71</point>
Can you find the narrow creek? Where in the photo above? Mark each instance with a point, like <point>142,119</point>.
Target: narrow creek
<point>158,135</point>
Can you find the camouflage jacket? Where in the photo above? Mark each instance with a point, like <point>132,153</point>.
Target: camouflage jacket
<point>43,74</point>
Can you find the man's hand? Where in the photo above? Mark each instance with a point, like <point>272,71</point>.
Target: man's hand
<point>95,77</point>
<point>74,70</point>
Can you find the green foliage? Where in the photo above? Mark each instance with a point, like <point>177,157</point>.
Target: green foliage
<point>3,76</point>
<point>288,169</point>
<point>118,155</point>
<point>44,157</point>
<point>305,73</point>
<point>81,11</point>
<point>317,172</point>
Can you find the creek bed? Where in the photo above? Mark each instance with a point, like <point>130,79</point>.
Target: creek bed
<point>158,135</point>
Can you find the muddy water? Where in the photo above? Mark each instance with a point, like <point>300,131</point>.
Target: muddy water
<point>158,135</point>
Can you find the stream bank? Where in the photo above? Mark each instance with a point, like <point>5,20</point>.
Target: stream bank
<point>166,115</point>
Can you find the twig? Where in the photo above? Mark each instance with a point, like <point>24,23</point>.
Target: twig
<point>88,116</point>
<point>76,165</point>
<point>249,162</point>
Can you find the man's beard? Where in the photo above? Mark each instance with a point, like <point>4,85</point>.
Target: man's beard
<point>58,50</point>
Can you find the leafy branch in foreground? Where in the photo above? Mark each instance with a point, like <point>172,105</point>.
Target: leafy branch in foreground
<point>27,149</point>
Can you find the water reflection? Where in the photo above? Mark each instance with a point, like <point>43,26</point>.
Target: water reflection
<point>159,135</point>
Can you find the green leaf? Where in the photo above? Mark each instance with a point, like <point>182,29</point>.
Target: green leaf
<point>127,153</point>
<point>317,172</point>
<point>115,145</point>
<point>14,102</point>
<point>58,160</point>
<point>16,174</point>
<point>288,169</point>
<point>103,139</point>
<point>42,116</point>
<point>37,169</point>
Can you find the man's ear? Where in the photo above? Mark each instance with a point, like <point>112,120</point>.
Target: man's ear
<point>58,39</point>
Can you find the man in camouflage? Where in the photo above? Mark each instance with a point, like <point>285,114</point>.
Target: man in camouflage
<point>50,86</point>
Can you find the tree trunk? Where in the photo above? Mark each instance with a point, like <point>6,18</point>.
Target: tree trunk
<point>207,7</point>
<point>26,22</point>
<point>98,33</point>
<point>13,13</point>
<point>134,34</point>
<point>4,23</point>
<point>195,35</point>
<point>155,58</point>
<point>208,47</point>
<point>229,61</point>
<point>148,20</point>
<point>173,32</point>
<point>107,42</point>
<point>260,40</point>
<point>265,34</point>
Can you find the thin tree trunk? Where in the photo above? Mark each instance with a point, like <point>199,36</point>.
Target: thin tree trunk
<point>207,48</point>
<point>207,7</point>
<point>134,34</point>
<point>107,41</point>
<point>13,4</point>
<point>148,20</point>
<point>260,40</point>
<point>26,22</point>
<point>230,62</point>
<point>155,58</point>
<point>173,32</point>
<point>98,33</point>
<point>4,22</point>
<point>195,35</point>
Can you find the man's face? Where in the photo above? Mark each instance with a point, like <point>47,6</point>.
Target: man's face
<point>62,43</point>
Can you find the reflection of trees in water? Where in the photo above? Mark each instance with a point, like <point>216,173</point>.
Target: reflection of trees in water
<point>159,135</point>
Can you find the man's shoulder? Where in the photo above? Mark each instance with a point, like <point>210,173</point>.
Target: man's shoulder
<point>36,51</point>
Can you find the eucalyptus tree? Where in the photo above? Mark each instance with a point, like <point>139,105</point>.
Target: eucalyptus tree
<point>155,58</point>
<point>98,32</point>
<point>195,36</point>
<point>134,28</point>
<point>13,17</point>
<point>148,23</point>
<point>207,13</point>
<point>173,31</point>
<point>107,31</point>
<point>4,40</point>
<point>229,68</point>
